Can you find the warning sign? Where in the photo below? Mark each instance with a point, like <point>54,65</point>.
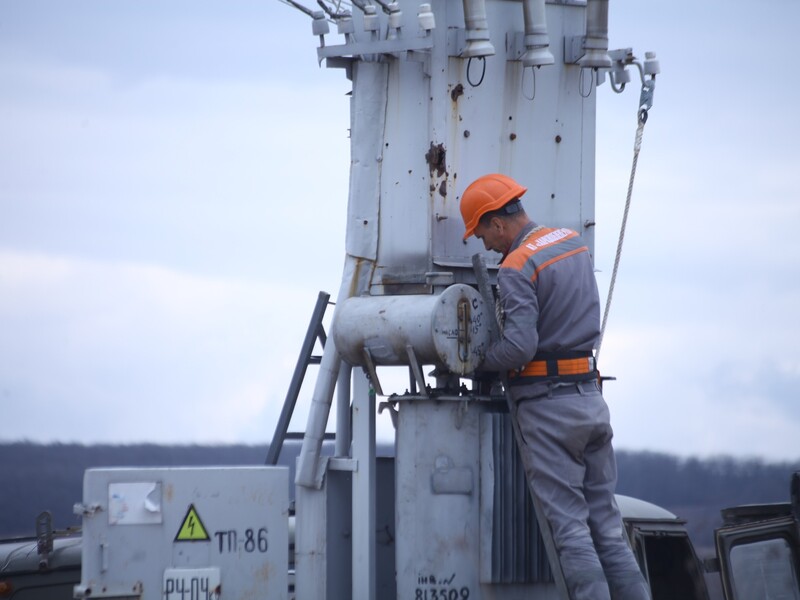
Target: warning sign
<point>192,528</point>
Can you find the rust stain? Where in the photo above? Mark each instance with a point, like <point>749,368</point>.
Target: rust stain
<point>457,91</point>
<point>435,157</point>
<point>264,573</point>
<point>443,188</point>
<point>356,273</point>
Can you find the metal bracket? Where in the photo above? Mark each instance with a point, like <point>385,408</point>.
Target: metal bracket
<point>108,591</point>
<point>372,373</point>
<point>393,413</point>
<point>573,48</point>
<point>424,58</point>
<point>321,471</point>
<point>623,55</point>
<point>342,464</point>
<point>86,510</point>
<point>456,41</point>
<point>515,45</point>
<point>443,278</point>
<point>646,97</point>
<point>373,47</point>
<point>416,369</point>
<point>341,62</point>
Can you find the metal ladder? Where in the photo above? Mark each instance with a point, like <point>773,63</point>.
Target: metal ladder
<point>315,331</point>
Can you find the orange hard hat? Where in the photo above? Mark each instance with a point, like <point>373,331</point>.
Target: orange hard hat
<point>486,194</point>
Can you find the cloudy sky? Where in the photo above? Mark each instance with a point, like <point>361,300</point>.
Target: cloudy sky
<point>163,163</point>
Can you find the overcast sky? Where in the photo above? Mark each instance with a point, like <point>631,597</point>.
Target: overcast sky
<point>162,164</point>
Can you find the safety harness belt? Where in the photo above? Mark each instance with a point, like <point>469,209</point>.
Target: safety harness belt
<point>567,366</point>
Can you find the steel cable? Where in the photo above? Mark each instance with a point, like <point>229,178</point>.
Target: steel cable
<point>642,118</point>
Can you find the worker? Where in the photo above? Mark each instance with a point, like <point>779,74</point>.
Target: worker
<point>549,317</point>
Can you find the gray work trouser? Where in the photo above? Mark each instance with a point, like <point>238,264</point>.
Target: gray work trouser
<point>569,459</point>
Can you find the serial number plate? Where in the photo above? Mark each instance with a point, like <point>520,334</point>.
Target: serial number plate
<point>192,584</point>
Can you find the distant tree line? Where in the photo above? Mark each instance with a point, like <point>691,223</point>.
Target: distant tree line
<point>698,489</point>
<point>36,477</point>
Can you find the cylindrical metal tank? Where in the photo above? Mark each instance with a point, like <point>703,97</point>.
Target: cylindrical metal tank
<point>448,330</point>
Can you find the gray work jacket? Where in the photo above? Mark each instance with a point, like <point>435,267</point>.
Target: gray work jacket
<point>548,296</point>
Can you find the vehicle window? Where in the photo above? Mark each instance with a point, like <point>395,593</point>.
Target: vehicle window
<point>672,568</point>
<point>764,570</point>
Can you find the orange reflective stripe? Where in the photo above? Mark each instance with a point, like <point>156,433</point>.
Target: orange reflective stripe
<point>574,366</point>
<point>556,259</point>
<point>565,366</point>
<point>534,369</point>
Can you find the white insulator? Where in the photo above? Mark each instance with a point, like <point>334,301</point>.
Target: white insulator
<point>345,26</point>
<point>619,74</point>
<point>651,64</point>
<point>478,43</point>
<point>596,44</point>
<point>371,22</point>
<point>319,26</point>
<point>395,16</point>
<point>395,21</point>
<point>537,41</point>
<point>427,20</point>
<point>447,330</point>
